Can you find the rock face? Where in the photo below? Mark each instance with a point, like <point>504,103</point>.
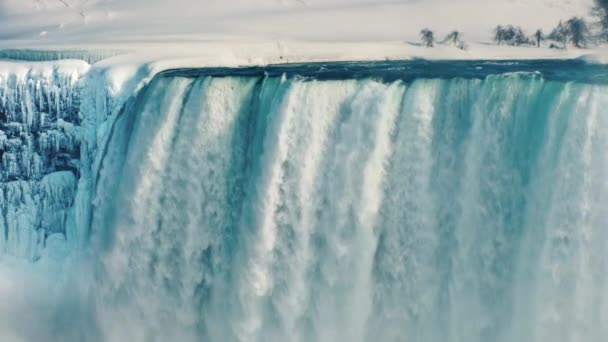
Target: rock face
<point>39,154</point>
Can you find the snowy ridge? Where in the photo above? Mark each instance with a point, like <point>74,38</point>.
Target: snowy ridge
<point>89,22</point>
<point>277,31</point>
<point>36,55</point>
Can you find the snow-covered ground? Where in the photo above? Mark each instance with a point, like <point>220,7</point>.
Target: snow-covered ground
<point>155,35</point>
<point>85,21</point>
<point>244,32</point>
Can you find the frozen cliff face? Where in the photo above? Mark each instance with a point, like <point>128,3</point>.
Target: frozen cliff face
<point>39,153</point>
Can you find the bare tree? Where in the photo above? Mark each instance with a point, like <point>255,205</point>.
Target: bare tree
<point>539,37</point>
<point>427,37</point>
<point>453,37</point>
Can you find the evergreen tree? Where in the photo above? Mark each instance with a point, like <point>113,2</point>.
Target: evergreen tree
<point>577,31</point>
<point>511,35</point>
<point>499,34</point>
<point>560,34</point>
<point>600,10</point>
<point>521,38</point>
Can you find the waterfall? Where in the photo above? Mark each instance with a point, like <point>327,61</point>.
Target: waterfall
<point>293,209</point>
<point>387,201</point>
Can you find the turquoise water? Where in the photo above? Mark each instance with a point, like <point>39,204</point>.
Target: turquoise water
<point>406,201</point>
<point>398,201</point>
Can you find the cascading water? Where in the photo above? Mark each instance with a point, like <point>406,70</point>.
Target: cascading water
<point>273,209</point>
<point>339,206</point>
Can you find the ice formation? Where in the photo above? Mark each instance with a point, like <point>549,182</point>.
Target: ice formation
<point>40,152</point>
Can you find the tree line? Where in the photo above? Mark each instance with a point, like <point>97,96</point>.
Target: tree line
<point>453,38</point>
<point>575,31</point>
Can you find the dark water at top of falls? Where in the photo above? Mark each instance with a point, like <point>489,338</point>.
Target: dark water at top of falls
<point>388,71</point>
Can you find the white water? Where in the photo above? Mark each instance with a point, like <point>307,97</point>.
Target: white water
<point>355,210</point>
<point>246,209</point>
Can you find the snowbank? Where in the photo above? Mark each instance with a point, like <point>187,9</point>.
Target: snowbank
<point>92,21</point>
<point>255,32</point>
<point>71,69</point>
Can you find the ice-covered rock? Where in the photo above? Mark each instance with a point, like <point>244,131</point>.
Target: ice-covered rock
<point>39,152</point>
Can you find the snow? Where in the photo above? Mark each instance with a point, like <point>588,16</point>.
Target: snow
<point>46,209</point>
<point>319,20</point>
<point>71,69</point>
<point>40,144</point>
<point>132,41</point>
<point>247,32</point>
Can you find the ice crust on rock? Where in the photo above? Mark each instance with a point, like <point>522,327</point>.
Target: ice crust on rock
<point>39,153</point>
